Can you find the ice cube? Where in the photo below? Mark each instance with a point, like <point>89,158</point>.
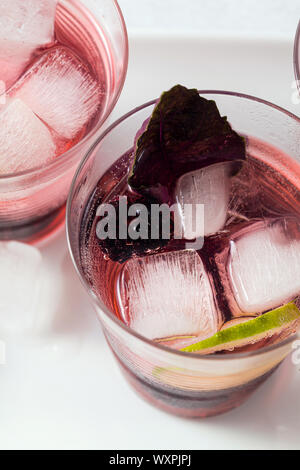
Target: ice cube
<point>264,267</point>
<point>167,295</point>
<point>25,142</point>
<point>209,187</point>
<point>20,267</point>
<point>61,91</point>
<point>24,27</point>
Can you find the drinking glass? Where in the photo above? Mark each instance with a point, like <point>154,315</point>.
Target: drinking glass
<point>185,384</point>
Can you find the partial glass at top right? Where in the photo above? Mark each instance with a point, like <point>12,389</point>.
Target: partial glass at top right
<point>195,328</point>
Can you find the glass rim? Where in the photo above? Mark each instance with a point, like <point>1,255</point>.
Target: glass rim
<point>103,308</point>
<point>296,56</point>
<point>66,156</point>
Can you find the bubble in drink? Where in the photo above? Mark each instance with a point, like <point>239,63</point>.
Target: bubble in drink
<point>24,27</point>
<point>61,90</point>
<point>25,141</point>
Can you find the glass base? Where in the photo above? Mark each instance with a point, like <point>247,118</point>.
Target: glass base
<point>36,230</point>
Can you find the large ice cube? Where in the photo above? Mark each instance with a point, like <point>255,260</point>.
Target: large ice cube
<point>24,27</point>
<point>167,295</point>
<point>61,91</point>
<point>264,267</point>
<point>20,267</point>
<point>25,142</point>
<point>209,187</point>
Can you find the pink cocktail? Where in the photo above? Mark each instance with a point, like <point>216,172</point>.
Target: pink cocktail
<point>62,68</point>
<point>165,307</point>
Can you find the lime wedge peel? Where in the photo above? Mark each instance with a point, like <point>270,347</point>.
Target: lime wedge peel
<point>250,332</point>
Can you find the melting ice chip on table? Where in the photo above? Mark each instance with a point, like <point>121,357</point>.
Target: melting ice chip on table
<point>61,91</point>
<point>25,142</point>
<point>264,266</point>
<point>209,188</point>
<point>168,295</point>
<point>25,25</point>
<point>55,99</point>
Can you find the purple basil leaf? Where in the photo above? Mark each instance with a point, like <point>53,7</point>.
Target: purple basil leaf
<point>185,133</point>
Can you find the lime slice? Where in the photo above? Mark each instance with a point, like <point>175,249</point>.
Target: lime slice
<point>277,322</point>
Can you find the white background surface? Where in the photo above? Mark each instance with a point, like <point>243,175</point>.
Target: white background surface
<point>218,17</point>
<point>62,388</point>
